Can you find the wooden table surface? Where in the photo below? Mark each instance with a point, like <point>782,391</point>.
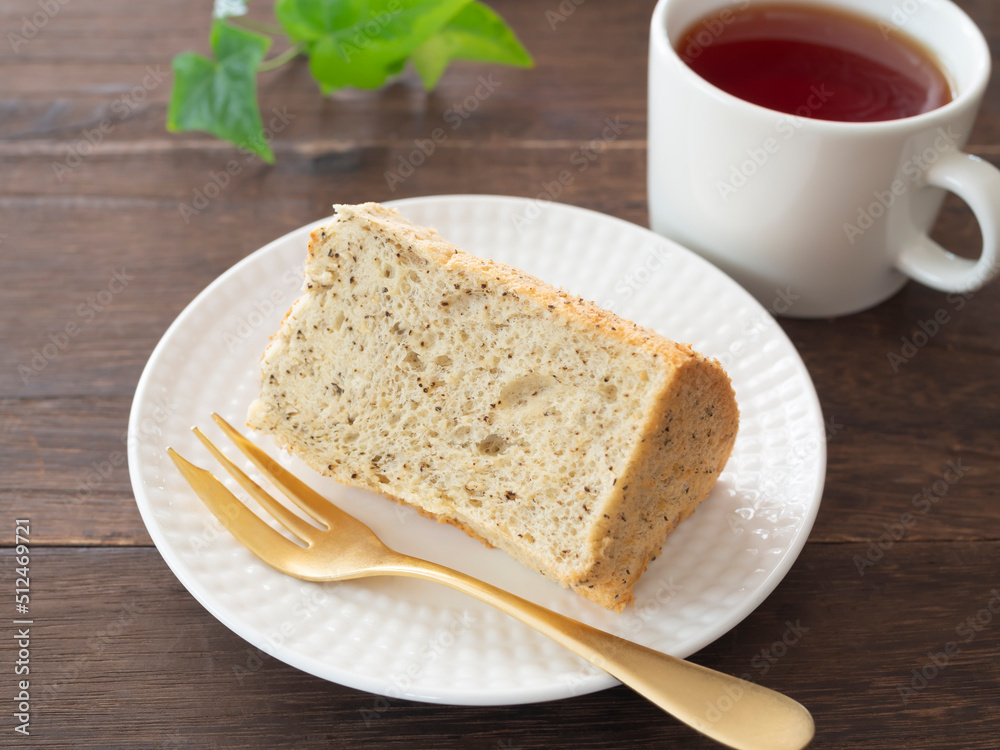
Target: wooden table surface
<point>122,656</point>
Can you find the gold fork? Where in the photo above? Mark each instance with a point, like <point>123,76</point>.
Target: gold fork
<point>744,715</point>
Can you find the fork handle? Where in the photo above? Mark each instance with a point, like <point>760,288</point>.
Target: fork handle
<point>734,712</point>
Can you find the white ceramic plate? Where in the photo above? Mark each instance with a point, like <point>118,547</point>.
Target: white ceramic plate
<point>401,637</point>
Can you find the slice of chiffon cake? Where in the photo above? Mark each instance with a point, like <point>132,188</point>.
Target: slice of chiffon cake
<point>570,438</point>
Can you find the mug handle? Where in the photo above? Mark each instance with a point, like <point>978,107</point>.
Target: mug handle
<point>977,182</point>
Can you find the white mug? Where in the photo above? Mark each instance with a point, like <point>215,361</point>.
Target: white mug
<point>833,216</point>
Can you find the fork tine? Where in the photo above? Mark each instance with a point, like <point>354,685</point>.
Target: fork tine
<point>315,505</point>
<point>302,529</point>
<point>242,523</point>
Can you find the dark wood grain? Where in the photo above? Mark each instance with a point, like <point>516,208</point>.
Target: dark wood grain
<point>590,64</point>
<point>125,658</point>
<point>69,78</point>
<point>123,667</point>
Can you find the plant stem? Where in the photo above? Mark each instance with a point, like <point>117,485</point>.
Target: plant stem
<point>249,24</point>
<point>278,60</point>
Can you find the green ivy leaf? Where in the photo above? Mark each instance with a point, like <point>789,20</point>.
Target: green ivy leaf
<point>220,96</point>
<point>476,32</point>
<point>361,43</point>
<point>357,43</point>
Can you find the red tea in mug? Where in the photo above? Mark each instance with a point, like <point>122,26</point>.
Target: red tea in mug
<point>817,62</point>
